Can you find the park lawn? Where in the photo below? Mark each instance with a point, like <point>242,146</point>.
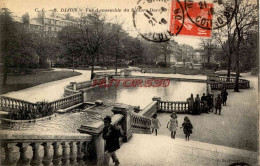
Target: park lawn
<point>180,70</point>
<point>23,81</point>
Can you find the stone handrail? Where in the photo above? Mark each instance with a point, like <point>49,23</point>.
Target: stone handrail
<point>228,83</point>
<point>7,103</point>
<point>149,110</point>
<point>76,87</point>
<point>67,101</point>
<point>74,148</point>
<point>140,124</point>
<point>173,106</point>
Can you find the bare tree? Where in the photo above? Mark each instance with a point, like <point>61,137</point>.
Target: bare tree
<point>245,18</point>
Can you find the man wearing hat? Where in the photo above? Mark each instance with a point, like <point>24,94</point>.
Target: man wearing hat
<point>111,135</point>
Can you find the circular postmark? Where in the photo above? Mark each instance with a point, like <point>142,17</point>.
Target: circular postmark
<point>210,14</point>
<point>158,20</point>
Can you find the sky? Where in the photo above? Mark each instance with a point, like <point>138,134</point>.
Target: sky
<point>20,7</point>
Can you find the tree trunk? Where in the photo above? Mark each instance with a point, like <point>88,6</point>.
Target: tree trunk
<point>5,78</point>
<point>165,60</point>
<point>73,64</point>
<point>229,67</point>
<point>236,89</point>
<point>92,67</point>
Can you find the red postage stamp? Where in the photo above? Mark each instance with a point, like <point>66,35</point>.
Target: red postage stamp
<point>197,18</point>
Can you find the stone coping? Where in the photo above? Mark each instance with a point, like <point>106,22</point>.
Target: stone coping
<point>97,127</point>
<point>15,136</point>
<point>28,121</point>
<point>147,108</point>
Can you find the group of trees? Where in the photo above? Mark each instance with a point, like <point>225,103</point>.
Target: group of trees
<point>235,44</point>
<point>20,48</point>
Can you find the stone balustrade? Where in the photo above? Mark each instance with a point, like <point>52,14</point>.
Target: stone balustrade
<point>44,148</point>
<point>67,101</point>
<point>173,106</point>
<point>228,83</point>
<point>7,103</point>
<point>140,124</point>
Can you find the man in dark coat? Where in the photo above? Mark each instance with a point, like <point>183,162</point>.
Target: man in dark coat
<point>218,102</point>
<point>224,95</point>
<point>111,135</point>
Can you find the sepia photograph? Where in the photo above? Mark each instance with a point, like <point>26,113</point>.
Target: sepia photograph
<point>129,83</point>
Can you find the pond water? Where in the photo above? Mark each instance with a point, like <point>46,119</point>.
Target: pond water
<point>142,96</point>
<point>136,96</point>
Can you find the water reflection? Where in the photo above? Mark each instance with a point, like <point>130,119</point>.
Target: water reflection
<point>142,96</point>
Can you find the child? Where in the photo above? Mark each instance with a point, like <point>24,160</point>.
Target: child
<point>187,128</point>
<point>155,124</point>
<point>173,125</point>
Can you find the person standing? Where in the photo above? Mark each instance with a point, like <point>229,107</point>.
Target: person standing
<point>224,95</point>
<point>187,128</point>
<point>218,102</point>
<point>204,103</point>
<point>172,125</point>
<point>155,124</point>
<point>191,104</point>
<point>197,105</point>
<point>111,135</point>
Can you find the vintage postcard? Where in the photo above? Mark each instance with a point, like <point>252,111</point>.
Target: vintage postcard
<point>129,82</point>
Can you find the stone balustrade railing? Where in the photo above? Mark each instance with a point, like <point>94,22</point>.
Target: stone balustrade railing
<point>173,106</point>
<point>73,147</point>
<point>7,103</point>
<point>140,124</point>
<point>67,101</point>
<point>227,82</point>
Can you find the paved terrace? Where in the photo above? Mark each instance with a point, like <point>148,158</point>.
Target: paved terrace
<point>147,150</point>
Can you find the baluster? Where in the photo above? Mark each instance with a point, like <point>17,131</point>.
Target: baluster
<point>171,107</point>
<point>73,154</point>
<point>80,154</point>
<point>46,161</point>
<point>65,155</point>
<point>85,151</point>
<point>178,106</point>
<point>56,155</point>
<point>36,159</point>
<point>174,106</point>
<point>23,160</point>
<point>8,151</point>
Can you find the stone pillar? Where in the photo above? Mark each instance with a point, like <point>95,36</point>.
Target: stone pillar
<point>46,161</point>
<point>8,150</point>
<point>23,160</point>
<point>96,147</point>
<point>126,125</point>
<point>80,154</point>
<point>84,96</point>
<point>73,154</point>
<point>65,155</point>
<point>36,159</point>
<point>158,99</point>
<point>56,155</point>
<point>74,85</point>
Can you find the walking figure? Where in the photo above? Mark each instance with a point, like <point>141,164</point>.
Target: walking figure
<point>191,104</point>
<point>155,124</point>
<point>187,128</point>
<point>172,125</point>
<point>218,102</point>
<point>111,135</point>
<point>224,95</point>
